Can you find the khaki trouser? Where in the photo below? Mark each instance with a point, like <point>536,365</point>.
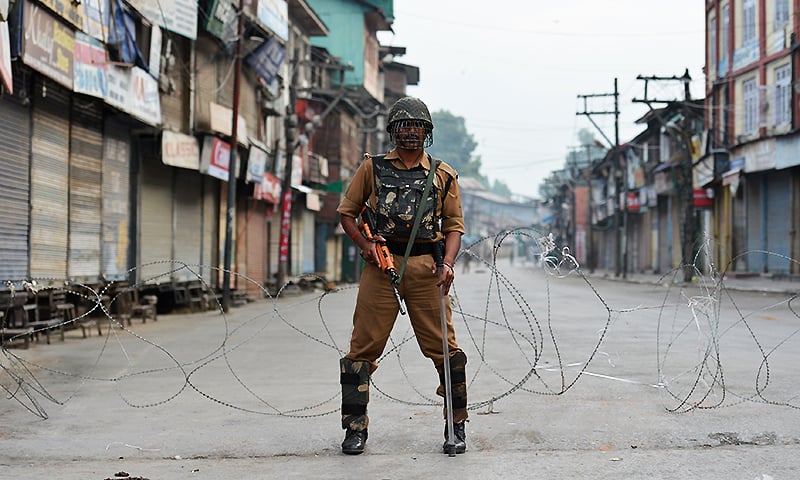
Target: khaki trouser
<point>375,314</point>
<point>377,309</point>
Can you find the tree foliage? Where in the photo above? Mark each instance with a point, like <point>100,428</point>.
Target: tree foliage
<point>454,144</point>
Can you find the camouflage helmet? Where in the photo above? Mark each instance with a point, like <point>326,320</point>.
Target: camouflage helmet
<point>409,112</point>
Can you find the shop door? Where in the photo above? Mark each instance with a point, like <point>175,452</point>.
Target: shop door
<point>85,190</point>
<point>14,187</point>
<point>49,182</point>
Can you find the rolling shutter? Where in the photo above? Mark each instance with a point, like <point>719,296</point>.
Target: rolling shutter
<point>85,190</point>
<point>188,211</point>
<point>49,181</point>
<point>779,203</point>
<point>116,201</point>
<point>14,187</point>
<point>155,222</point>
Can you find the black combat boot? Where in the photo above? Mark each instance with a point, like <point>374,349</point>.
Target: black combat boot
<point>355,440</point>
<point>459,438</point>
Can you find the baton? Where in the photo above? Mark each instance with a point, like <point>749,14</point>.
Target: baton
<point>448,387</point>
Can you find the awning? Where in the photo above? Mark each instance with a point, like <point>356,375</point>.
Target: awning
<point>666,166</point>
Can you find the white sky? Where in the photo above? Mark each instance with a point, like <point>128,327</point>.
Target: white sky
<point>514,69</point>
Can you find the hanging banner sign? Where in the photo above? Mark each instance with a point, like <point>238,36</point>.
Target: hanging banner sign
<point>118,87</point>
<point>286,223</point>
<point>5,59</point>
<point>216,158</point>
<point>180,150</point>
<point>256,165</point>
<point>92,18</point>
<point>267,59</point>
<point>269,189</point>
<point>274,14</point>
<point>179,16</point>
<point>69,10</point>
<point>703,198</point>
<point>90,66</point>
<point>48,45</point>
<point>146,101</point>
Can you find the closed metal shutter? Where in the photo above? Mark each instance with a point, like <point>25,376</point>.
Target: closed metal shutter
<point>210,231</point>
<point>49,181</point>
<point>188,215</point>
<point>14,187</point>
<point>738,228</point>
<point>85,188</point>
<point>307,236</point>
<point>634,242</point>
<point>665,234</point>
<point>756,216</point>
<point>155,222</point>
<point>254,215</point>
<point>779,203</point>
<point>116,201</point>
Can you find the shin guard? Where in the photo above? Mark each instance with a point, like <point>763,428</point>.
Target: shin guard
<point>355,394</point>
<point>458,381</point>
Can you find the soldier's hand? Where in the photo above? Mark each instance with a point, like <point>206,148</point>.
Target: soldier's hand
<point>370,253</point>
<point>446,278</point>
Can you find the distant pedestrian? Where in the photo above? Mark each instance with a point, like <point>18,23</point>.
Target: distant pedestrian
<point>466,258</point>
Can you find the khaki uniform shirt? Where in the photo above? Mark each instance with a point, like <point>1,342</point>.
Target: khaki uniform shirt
<point>362,189</point>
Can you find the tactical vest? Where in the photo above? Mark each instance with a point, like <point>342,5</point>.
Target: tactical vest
<point>399,195</point>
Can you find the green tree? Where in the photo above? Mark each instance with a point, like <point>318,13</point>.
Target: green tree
<point>455,145</point>
<point>500,188</point>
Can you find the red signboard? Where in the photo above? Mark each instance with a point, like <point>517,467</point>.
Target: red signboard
<point>269,189</point>
<point>286,220</point>
<point>702,199</point>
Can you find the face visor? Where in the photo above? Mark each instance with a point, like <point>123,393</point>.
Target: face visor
<point>411,134</point>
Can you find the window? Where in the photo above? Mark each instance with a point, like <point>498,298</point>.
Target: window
<point>712,42</point>
<point>781,14</point>
<point>663,148</point>
<point>750,106</point>
<point>749,22</point>
<point>783,98</point>
<point>723,44</point>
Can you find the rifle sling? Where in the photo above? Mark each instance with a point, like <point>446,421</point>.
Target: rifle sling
<point>418,214</point>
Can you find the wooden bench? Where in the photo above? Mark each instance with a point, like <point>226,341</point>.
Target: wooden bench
<point>12,326</point>
<point>10,335</point>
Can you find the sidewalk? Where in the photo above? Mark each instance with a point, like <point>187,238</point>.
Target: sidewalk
<point>742,283</point>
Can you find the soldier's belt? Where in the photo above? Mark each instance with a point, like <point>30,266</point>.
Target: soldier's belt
<point>399,248</point>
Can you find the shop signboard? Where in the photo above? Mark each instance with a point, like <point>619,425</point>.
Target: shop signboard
<point>179,16</point>
<point>91,62</point>
<point>47,45</point>
<point>180,150</point>
<point>216,157</point>
<point>5,59</point>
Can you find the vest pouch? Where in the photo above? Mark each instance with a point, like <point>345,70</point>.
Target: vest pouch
<point>398,201</point>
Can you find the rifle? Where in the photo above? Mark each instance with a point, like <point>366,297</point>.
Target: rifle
<point>385,260</point>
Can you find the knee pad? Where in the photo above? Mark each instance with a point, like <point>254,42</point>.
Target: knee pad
<point>458,380</point>
<point>354,378</point>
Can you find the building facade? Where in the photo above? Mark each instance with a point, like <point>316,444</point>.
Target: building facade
<point>119,141</point>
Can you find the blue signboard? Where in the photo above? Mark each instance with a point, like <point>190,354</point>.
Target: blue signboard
<point>267,59</point>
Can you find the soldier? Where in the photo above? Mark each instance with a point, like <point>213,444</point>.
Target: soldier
<point>392,185</point>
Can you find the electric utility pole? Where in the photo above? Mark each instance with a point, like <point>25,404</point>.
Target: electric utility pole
<point>620,251</point>
<point>685,184</point>
<point>291,135</point>
<point>231,204</point>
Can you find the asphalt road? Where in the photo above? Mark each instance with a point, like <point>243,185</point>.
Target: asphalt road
<point>569,378</point>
